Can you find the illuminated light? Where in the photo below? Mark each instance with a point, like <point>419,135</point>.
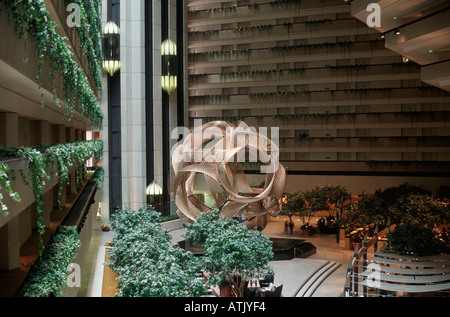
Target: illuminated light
<point>168,55</point>
<point>153,189</point>
<point>111,66</point>
<point>397,31</point>
<point>111,48</point>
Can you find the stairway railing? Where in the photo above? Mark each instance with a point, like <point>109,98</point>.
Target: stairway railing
<point>351,287</point>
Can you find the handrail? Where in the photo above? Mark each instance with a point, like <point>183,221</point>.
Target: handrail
<point>76,214</point>
<point>81,206</point>
<point>361,253</point>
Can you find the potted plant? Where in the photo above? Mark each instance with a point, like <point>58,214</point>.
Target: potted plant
<point>305,229</point>
<point>297,204</point>
<point>354,236</point>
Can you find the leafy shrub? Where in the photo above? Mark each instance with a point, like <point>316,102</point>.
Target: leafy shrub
<point>149,265</point>
<point>48,275</point>
<point>415,239</point>
<point>232,252</point>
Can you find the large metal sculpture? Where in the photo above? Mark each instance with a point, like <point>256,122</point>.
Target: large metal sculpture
<point>217,150</point>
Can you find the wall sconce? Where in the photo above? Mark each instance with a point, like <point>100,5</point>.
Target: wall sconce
<point>111,48</point>
<point>168,55</point>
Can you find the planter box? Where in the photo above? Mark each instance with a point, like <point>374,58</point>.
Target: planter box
<point>173,224</point>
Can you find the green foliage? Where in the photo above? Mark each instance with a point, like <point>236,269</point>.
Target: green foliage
<point>89,31</point>
<point>410,208</point>
<point>32,19</point>
<point>5,183</point>
<point>75,154</point>
<point>39,160</point>
<point>48,275</point>
<point>320,198</point>
<point>385,205</point>
<point>98,177</point>
<point>418,210</point>
<point>416,239</point>
<point>148,264</point>
<point>232,252</point>
<point>206,225</point>
<point>443,192</point>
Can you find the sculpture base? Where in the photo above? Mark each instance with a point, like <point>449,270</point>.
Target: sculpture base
<point>287,249</point>
<point>283,249</point>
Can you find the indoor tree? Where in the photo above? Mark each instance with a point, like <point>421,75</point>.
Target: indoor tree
<point>232,252</point>
<point>416,217</point>
<point>333,195</point>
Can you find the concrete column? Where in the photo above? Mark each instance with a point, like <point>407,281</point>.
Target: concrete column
<point>72,187</point>
<point>133,103</point>
<point>59,136</point>
<point>47,207</point>
<point>26,226</point>
<point>43,133</point>
<point>9,233</point>
<point>9,129</point>
<point>10,245</point>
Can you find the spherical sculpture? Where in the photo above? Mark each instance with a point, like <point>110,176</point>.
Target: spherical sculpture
<point>218,150</point>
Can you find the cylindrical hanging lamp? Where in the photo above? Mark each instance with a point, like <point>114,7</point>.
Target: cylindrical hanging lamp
<point>154,192</point>
<point>168,55</point>
<point>111,48</point>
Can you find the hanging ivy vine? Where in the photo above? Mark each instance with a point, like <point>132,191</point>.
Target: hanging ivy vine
<point>48,275</point>
<point>89,31</point>
<point>5,183</point>
<point>41,158</point>
<point>32,19</point>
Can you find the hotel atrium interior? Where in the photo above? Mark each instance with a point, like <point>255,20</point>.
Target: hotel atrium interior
<point>227,148</point>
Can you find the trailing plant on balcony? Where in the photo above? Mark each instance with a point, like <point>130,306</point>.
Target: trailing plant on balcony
<point>203,32</point>
<point>5,183</point>
<point>89,31</point>
<point>286,3</point>
<point>317,22</point>
<point>73,154</point>
<point>234,52</point>
<point>32,19</point>
<point>41,158</point>
<point>222,10</point>
<point>48,275</point>
<point>210,98</point>
<point>98,177</point>
<point>258,28</point>
<point>310,47</point>
<point>273,94</point>
<point>253,6</point>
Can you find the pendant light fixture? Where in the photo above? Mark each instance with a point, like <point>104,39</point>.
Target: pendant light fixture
<point>153,189</point>
<point>168,55</point>
<point>154,192</point>
<point>111,48</point>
